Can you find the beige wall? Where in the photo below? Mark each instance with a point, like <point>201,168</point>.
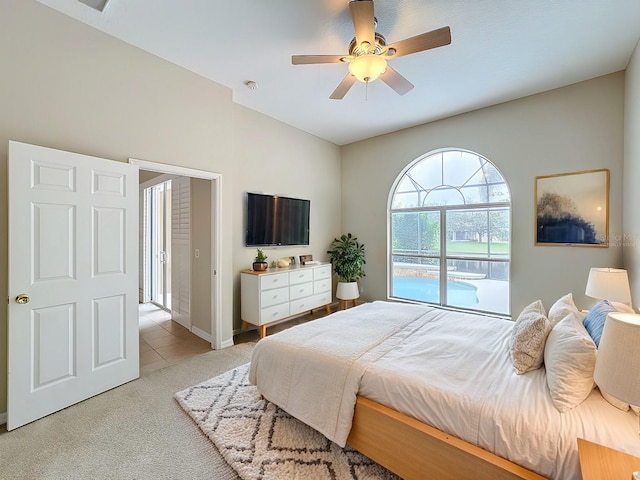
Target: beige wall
<point>271,157</point>
<point>631,197</point>
<point>566,130</point>
<point>67,86</point>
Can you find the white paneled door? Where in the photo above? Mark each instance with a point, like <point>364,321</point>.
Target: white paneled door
<point>73,282</point>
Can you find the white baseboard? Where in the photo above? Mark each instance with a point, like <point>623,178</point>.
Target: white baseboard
<point>3,418</point>
<point>227,343</point>
<point>201,333</point>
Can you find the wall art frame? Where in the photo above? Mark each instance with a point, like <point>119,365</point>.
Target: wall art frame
<point>572,209</point>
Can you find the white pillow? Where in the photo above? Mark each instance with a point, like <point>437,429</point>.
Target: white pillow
<point>526,345</point>
<point>564,306</point>
<point>569,358</point>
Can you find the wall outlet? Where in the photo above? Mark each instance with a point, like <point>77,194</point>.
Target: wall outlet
<point>197,253</point>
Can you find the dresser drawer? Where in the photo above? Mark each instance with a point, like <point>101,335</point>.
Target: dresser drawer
<point>271,314</point>
<point>300,276</point>
<point>302,305</point>
<point>267,282</point>
<point>309,303</point>
<point>301,290</point>
<point>275,296</point>
<point>321,286</point>
<point>322,299</point>
<point>322,272</point>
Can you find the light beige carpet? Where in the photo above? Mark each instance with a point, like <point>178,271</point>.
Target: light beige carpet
<point>262,441</point>
<point>136,431</point>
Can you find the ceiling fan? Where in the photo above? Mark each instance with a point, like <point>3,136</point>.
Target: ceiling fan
<point>369,52</point>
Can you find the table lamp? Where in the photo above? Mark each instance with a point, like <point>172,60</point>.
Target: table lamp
<point>617,369</point>
<point>609,284</point>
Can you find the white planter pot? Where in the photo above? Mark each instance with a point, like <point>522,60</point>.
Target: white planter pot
<point>347,291</point>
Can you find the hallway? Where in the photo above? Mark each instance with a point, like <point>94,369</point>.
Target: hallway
<point>164,342</point>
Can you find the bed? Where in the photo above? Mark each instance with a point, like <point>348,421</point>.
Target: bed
<point>431,393</point>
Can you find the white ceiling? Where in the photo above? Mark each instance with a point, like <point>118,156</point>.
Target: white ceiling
<point>500,50</point>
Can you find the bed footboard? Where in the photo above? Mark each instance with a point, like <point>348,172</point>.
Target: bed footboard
<point>414,450</point>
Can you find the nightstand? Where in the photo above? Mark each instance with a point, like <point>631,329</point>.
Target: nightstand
<point>598,462</point>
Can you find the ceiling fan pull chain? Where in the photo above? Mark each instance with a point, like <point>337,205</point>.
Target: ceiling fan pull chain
<point>366,90</point>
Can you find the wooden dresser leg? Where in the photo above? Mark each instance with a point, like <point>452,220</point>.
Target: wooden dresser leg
<point>328,309</point>
<point>355,302</point>
<point>263,331</point>
<point>245,326</point>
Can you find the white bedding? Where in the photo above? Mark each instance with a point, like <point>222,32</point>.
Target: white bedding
<point>314,372</point>
<point>447,369</point>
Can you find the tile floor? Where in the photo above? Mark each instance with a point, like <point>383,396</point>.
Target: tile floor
<point>164,342</point>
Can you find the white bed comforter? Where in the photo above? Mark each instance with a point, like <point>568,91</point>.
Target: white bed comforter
<point>447,369</point>
<point>314,373</point>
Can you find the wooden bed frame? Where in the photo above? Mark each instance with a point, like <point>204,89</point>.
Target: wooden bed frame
<point>414,450</point>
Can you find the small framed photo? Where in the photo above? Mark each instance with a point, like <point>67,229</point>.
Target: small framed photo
<point>305,258</point>
<point>572,209</point>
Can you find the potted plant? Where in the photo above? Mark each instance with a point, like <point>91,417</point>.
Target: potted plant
<point>260,264</point>
<point>347,258</point>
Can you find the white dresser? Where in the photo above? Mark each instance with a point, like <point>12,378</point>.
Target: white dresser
<point>278,293</point>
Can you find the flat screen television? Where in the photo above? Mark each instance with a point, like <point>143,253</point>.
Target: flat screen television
<point>276,220</point>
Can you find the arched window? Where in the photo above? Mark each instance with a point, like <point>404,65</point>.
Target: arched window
<point>450,231</point>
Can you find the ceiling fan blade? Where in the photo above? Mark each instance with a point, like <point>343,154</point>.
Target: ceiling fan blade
<point>425,41</point>
<point>311,59</point>
<point>363,20</point>
<point>342,89</point>
<point>396,81</point>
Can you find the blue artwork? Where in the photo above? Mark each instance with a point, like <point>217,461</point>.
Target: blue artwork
<point>571,209</point>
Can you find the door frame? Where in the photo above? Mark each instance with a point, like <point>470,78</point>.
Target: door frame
<point>216,234</point>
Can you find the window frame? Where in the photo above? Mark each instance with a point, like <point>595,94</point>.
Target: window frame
<point>443,256</point>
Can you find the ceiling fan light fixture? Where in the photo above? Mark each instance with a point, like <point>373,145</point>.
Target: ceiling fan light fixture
<point>367,68</point>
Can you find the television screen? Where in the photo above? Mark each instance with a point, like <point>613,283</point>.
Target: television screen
<point>276,220</point>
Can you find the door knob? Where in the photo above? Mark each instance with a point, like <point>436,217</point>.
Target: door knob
<point>22,298</point>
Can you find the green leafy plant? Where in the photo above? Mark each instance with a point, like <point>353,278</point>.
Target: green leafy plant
<point>347,257</point>
<point>261,257</point>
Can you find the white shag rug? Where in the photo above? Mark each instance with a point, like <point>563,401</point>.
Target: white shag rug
<point>261,441</point>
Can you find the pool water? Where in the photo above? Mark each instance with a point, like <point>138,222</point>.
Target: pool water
<point>461,294</point>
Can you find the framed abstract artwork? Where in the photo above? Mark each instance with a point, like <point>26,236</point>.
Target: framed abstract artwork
<point>572,209</point>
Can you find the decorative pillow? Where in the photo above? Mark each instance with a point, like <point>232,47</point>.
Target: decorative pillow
<point>624,406</point>
<point>594,321</point>
<point>526,345</point>
<point>569,357</point>
<point>563,307</point>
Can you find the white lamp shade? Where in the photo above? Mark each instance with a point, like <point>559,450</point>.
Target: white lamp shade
<point>617,369</point>
<point>367,68</point>
<point>347,291</point>
<point>610,284</point>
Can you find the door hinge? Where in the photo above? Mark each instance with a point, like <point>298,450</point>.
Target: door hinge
<point>215,272</point>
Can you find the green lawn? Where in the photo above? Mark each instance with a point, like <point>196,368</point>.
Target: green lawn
<point>476,247</point>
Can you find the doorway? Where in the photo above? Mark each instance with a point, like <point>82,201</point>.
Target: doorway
<point>210,298</point>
